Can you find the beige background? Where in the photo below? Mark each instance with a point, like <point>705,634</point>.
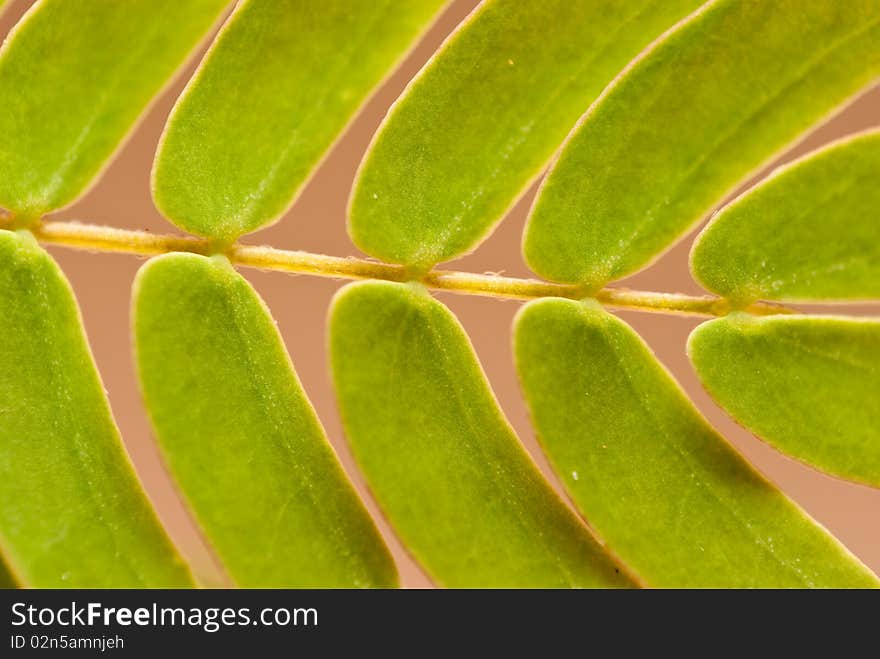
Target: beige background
<point>316,222</point>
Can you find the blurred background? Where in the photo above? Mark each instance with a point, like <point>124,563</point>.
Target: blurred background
<point>317,223</point>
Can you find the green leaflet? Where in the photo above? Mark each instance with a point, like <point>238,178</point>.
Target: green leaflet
<point>279,84</point>
<point>700,111</point>
<point>809,232</point>
<point>74,77</point>
<point>484,116</point>
<point>72,513</point>
<point>808,385</point>
<point>240,436</point>
<point>666,492</point>
<point>439,455</point>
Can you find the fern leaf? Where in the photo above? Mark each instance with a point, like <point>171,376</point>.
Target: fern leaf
<point>440,457</point>
<point>74,78</point>
<point>691,118</point>
<point>240,436</point>
<point>72,513</point>
<point>483,117</point>
<point>657,483</point>
<point>281,81</point>
<point>809,232</point>
<point>809,385</point>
